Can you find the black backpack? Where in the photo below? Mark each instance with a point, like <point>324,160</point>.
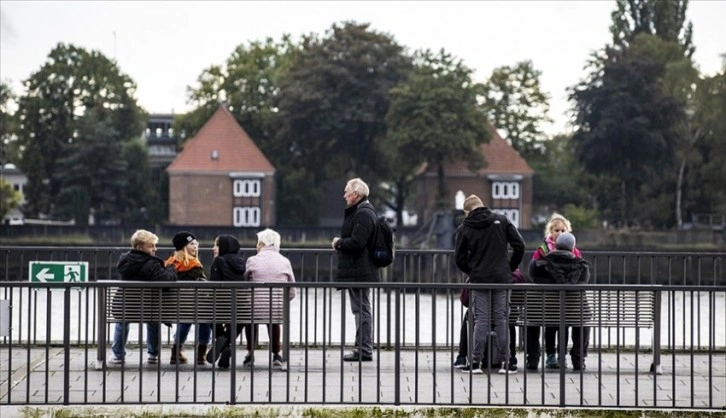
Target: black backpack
<point>381,246</point>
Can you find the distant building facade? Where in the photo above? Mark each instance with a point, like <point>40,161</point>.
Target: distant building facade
<point>505,184</point>
<point>221,178</point>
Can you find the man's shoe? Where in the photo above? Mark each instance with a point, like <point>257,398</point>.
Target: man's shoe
<point>551,362</point>
<point>224,357</point>
<point>532,365</point>
<point>460,362</point>
<point>116,360</point>
<point>474,367</point>
<point>355,357</point>
<point>152,359</point>
<point>580,365</point>
<point>507,368</point>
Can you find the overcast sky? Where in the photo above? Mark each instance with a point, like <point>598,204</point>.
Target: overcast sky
<point>163,46</point>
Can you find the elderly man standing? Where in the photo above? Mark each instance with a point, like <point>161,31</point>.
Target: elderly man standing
<point>482,253</point>
<point>355,265</point>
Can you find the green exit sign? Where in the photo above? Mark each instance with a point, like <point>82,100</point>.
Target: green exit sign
<point>58,271</point>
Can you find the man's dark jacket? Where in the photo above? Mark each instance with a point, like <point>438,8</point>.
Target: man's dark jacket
<point>138,265</point>
<point>354,262</point>
<point>481,247</point>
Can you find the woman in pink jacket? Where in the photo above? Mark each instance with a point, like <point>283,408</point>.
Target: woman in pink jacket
<point>268,266</point>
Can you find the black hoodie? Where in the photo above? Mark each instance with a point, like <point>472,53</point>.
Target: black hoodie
<point>228,265</point>
<point>481,247</point>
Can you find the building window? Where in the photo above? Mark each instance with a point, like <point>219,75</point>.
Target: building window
<point>246,188</point>
<point>512,214</point>
<point>505,190</point>
<point>246,216</point>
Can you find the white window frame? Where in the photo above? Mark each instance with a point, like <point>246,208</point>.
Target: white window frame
<point>505,190</point>
<point>246,216</point>
<point>246,188</point>
<point>511,214</point>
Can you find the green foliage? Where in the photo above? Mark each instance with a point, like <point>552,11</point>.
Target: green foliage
<point>72,82</point>
<point>580,217</point>
<point>333,101</point>
<point>558,178</point>
<point>91,174</point>
<point>517,106</point>
<point>627,122</point>
<point>9,198</point>
<point>434,118</point>
<point>665,19</point>
<point>8,125</point>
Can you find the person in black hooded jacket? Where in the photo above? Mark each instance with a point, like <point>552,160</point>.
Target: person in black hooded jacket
<point>228,265</point>
<point>481,252</point>
<point>142,264</point>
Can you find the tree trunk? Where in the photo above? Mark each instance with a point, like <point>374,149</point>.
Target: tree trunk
<point>441,203</point>
<point>679,193</point>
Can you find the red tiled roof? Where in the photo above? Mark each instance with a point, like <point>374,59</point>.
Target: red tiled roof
<point>235,149</point>
<point>500,158</point>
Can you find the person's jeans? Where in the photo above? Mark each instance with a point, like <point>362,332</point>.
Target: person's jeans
<point>204,336</point>
<point>498,301</point>
<point>121,336</point>
<point>360,305</point>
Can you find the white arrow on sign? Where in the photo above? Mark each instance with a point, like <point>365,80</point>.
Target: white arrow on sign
<point>44,276</point>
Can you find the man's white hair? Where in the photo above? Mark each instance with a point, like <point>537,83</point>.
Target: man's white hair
<point>268,237</point>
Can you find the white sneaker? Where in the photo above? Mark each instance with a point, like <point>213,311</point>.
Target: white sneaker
<point>507,369</point>
<point>116,360</point>
<point>152,359</point>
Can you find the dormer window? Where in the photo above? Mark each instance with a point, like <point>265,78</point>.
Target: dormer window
<point>215,154</point>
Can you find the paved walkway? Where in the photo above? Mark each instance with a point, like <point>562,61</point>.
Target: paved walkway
<point>315,376</point>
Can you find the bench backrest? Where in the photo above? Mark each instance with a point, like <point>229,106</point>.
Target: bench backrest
<point>194,305</point>
<point>622,309</point>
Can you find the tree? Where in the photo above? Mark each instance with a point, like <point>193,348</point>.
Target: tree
<point>434,118</point>
<point>9,198</point>
<point>558,177</point>
<point>707,188</point>
<point>248,83</point>
<point>626,122</point>
<point>515,103</point>
<point>91,174</point>
<point>333,101</point>
<point>71,82</point>
<point>665,19</point>
<point>8,145</point>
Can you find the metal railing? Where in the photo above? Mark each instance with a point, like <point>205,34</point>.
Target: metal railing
<point>50,356</point>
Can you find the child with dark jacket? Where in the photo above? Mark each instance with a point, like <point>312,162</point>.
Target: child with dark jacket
<point>561,266</point>
<point>228,265</point>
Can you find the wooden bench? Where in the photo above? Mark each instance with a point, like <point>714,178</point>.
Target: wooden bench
<point>592,308</point>
<point>186,305</point>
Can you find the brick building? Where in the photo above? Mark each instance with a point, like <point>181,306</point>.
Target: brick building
<point>221,178</point>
